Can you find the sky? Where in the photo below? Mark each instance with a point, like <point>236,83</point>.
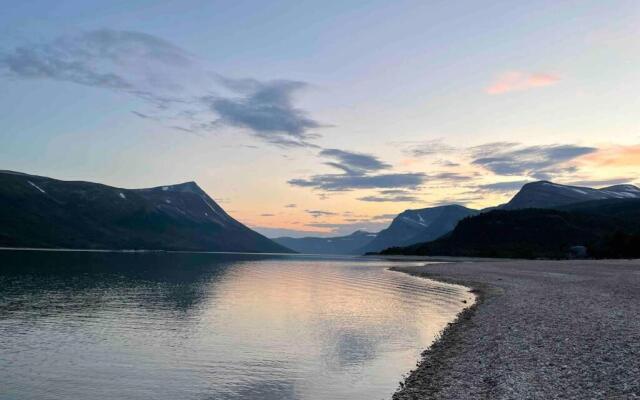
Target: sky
<point>323,117</point>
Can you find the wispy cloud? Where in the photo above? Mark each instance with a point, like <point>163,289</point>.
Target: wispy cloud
<point>344,182</point>
<point>360,171</point>
<point>352,162</point>
<point>518,80</point>
<point>320,213</point>
<point>266,109</point>
<point>105,58</point>
<point>598,183</point>
<point>399,198</point>
<point>426,148</point>
<point>542,161</point>
<point>502,187</point>
<point>176,84</point>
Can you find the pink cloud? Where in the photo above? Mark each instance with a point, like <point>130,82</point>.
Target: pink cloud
<point>518,80</point>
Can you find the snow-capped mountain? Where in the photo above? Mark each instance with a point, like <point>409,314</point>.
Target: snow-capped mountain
<point>545,194</point>
<point>37,211</point>
<point>414,226</point>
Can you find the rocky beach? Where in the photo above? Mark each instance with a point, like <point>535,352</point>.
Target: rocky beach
<point>538,330</point>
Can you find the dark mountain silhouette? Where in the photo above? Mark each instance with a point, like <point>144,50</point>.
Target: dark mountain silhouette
<point>604,228</point>
<point>42,212</point>
<point>545,194</point>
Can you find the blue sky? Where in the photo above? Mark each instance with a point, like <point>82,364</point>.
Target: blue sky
<point>359,109</point>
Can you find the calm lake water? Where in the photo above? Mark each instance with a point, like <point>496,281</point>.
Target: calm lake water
<point>211,326</point>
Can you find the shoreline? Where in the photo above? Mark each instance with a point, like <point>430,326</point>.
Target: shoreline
<point>538,329</point>
<point>426,378</point>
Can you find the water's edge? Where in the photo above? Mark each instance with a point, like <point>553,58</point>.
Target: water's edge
<point>423,380</point>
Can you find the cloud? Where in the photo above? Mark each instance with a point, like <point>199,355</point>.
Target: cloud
<point>291,205</point>
<point>319,213</point>
<point>502,187</point>
<point>358,173</point>
<point>383,217</point>
<point>345,182</point>
<point>427,148</point>
<point>450,177</point>
<point>354,163</point>
<point>616,156</point>
<point>601,182</point>
<point>267,215</point>
<point>447,163</point>
<point>265,108</point>
<point>178,85</point>
<point>536,161</point>
<point>517,80</point>
<point>403,198</point>
<point>102,58</point>
<point>143,116</point>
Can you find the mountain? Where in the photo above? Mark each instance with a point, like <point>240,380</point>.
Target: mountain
<point>606,228</point>
<point>350,244</point>
<point>414,226</point>
<point>42,212</point>
<point>545,194</point>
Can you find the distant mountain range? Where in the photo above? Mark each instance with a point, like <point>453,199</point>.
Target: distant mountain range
<point>47,213</point>
<point>350,244</point>
<point>548,223</point>
<point>410,226</point>
<point>546,220</point>
<point>543,219</point>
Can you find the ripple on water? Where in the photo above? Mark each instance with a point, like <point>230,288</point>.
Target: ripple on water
<point>168,326</point>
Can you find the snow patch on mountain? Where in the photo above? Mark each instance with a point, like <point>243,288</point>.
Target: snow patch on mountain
<point>37,187</point>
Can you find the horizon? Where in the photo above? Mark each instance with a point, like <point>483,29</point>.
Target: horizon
<point>291,128</point>
<point>284,233</point>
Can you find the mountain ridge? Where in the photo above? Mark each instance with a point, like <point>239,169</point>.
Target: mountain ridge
<point>546,194</point>
<point>37,211</point>
<point>347,244</point>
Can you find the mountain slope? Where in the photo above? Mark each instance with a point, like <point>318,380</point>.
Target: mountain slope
<point>414,226</point>
<point>37,211</point>
<point>349,244</point>
<point>608,228</point>
<point>545,194</point>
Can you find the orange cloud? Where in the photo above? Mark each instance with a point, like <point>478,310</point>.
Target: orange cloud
<point>616,156</point>
<point>516,80</point>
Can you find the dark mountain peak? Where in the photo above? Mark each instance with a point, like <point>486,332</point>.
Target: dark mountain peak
<point>413,226</point>
<point>185,187</point>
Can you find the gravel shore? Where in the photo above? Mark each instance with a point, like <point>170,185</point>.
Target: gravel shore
<point>539,330</point>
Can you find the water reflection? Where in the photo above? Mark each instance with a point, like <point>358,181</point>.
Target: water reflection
<point>109,325</point>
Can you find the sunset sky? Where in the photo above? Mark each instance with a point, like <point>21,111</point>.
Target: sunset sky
<point>328,116</point>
